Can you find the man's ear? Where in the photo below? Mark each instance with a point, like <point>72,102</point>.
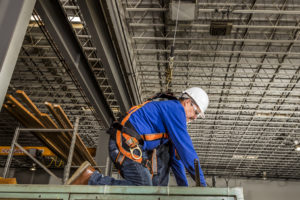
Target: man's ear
<point>186,102</point>
<point>189,101</point>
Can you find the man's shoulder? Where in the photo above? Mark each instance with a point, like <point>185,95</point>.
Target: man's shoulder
<point>168,105</point>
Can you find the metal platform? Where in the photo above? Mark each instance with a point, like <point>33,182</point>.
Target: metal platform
<point>117,192</point>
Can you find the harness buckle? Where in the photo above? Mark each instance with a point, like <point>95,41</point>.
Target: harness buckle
<point>133,155</point>
<point>132,142</point>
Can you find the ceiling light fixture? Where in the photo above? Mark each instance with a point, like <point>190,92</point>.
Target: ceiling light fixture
<point>297,145</point>
<point>220,28</point>
<point>277,115</point>
<point>74,19</point>
<point>33,168</point>
<point>245,157</point>
<point>264,175</point>
<point>183,11</point>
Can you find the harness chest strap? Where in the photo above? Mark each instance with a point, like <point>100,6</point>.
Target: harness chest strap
<point>154,136</point>
<point>133,142</point>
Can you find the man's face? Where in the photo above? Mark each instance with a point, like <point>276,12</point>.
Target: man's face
<point>191,110</point>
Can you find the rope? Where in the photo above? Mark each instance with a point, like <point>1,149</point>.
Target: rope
<point>176,24</point>
<point>169,70</point>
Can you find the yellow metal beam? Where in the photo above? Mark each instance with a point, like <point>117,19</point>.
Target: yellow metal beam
<point>4,150</point>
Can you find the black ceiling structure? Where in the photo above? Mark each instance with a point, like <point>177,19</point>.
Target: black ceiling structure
<point>98,58</point>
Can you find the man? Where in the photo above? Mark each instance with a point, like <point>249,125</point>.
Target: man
<point>150,140</point>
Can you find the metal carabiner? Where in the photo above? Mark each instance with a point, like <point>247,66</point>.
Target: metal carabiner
<point>133,155</point>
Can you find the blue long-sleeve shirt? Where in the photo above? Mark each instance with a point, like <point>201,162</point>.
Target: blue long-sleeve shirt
<point>168,117</point>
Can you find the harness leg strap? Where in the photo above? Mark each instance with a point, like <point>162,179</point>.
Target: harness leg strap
<point>154,162</point>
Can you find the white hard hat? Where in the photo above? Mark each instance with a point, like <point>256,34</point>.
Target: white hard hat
<point>200,97</point>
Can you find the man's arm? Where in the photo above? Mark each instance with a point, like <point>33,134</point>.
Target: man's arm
<point>175,123</point>
<point>178,169</point>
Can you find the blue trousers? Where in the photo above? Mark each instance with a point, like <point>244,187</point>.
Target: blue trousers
<point>135,173</point>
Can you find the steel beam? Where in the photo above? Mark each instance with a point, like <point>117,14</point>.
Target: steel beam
<point>198,62</point>
<point>200,40</point>
<point>185,51</point>
<point>148,25</point>
<point>114,15</point>
<point>64,37</point>
<point>97,26</point>
<point>213,10</point>
<point>14,18</point>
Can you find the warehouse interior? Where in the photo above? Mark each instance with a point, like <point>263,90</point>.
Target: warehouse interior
<point>96,59</point>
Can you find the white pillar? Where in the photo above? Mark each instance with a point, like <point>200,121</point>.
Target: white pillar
<point>14,18</point>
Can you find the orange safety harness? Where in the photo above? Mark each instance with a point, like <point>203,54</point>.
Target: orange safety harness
<point>133,139</point>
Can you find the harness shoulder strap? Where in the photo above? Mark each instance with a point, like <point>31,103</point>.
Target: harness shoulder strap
<point>163,95</point>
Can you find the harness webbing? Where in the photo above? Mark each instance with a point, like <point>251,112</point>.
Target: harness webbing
<point>154,136</point>
<point>132,141</point>
<point>127,137</point>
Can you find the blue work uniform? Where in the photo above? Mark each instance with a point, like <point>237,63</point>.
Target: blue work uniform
<point>162,117</point>
<point>168,117</point>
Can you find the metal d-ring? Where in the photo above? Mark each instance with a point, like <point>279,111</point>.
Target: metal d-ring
<point>133,155</point>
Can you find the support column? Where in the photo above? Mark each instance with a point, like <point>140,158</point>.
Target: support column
<point>14,19</point>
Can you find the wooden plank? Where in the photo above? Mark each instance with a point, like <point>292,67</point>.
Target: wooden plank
<point>4,151</point>
<point>77,155</point>
<point>42,137</point>
<point>49,123</point>
<point>58,142</point>
<point>36,123</point>
<point>63,115</point>
<point>22,95</point>
<point>79,141</point>
<point>55,115</point>
<point>60,137</point>
<point>15,114</point>
<point>30,121</point>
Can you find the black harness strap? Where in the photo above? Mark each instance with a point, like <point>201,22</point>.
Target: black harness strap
<point>163,95</point>
<point>129,131</point>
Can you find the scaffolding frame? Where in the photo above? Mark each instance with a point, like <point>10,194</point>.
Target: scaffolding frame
<point>16,144</point>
